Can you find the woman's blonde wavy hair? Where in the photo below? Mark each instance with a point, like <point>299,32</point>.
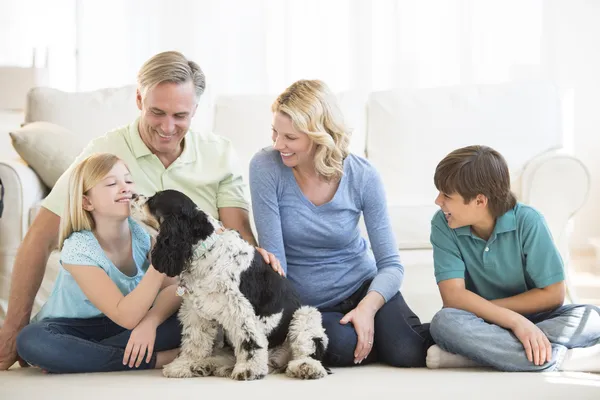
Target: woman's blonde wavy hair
<point>87,174</point>
<point>314,110</point>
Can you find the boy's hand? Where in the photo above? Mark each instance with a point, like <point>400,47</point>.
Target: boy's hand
<point>537,346</point>
<point>141,342</point>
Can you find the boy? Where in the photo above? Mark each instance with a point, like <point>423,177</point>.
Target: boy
<point>501,277</point>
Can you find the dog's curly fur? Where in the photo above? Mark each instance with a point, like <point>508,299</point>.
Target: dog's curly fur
<point>227,284</point>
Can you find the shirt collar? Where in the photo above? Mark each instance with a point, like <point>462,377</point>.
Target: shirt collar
<point>505,223</point>
<point>188,155</point>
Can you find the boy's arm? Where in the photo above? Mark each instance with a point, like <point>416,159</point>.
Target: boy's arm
<point>455,295</point>
<point>535,300</point>
<point>543,267</point>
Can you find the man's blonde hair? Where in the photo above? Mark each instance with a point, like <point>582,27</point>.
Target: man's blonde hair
<point>170,66</point>
<point>314,110</point>
<point>87,174</point>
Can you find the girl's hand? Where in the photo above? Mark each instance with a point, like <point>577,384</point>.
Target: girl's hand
<point>140,344</point>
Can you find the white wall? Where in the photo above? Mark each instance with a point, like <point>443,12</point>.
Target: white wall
<point>573,51</point>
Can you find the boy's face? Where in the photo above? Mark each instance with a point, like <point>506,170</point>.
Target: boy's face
<point>457,213</point>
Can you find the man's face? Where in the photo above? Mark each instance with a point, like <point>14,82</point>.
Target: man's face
<point>457,213</point>
<point>167,111</point>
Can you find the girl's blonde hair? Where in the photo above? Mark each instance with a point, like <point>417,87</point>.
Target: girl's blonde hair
<point>314,110</point>
<point>87,174</point>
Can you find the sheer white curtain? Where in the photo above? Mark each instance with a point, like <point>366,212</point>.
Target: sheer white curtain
<point>41,30</point>
<point>261,46</point>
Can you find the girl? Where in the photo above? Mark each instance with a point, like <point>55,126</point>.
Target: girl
<point>308,194</point>
<point>110,310</point>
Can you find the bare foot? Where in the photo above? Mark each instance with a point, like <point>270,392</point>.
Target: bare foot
<point>165,357</point>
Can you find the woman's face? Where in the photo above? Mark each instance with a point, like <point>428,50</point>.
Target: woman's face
<point>295,147</point>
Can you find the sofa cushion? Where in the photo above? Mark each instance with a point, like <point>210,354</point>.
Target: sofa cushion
<point>48,148</point>
<point>410,131</point>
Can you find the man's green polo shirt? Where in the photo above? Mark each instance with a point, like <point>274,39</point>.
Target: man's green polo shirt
<point>207,170</point>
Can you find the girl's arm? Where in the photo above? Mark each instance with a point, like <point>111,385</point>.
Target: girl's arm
<point>126,311</point>
<point>166,304</point>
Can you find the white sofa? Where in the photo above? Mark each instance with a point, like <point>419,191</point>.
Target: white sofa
<point>403,132</point>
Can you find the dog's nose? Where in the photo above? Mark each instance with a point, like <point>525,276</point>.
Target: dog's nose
<point>134,196</point>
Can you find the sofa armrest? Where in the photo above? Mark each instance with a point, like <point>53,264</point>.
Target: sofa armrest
<point>22,190</point>
<point>557,185</point>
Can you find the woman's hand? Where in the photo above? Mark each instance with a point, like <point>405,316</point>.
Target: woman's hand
<point>363,320</point>
<point>140,344</point>
<point>271,260</point>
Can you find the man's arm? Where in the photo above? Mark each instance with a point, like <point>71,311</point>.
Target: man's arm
<point>27,275</point>
<point>237,219</point>
<point>535,300</point>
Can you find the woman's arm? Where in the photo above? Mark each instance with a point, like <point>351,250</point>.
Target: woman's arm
<point>379,228</point>
<point>265,206</point>
<point>126,311</point>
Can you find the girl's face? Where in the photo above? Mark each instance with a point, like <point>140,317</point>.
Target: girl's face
<point>112,195</point>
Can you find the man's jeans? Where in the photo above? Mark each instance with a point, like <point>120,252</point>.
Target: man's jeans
<point>63,345</point>
<point>462,332</point>
<point>400,338</point>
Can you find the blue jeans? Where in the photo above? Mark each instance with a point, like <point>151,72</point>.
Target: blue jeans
<point>400,338</point>
<point>566,327</point>
<point>63,345</point>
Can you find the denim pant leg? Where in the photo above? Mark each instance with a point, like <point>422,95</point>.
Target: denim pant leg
<point>168,337</point>
<point>572,325</point>
<point>462,332</point>
<point>400,338</point>
<point>63,345</point>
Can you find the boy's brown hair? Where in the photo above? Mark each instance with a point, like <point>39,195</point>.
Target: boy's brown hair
<point>474,170</point>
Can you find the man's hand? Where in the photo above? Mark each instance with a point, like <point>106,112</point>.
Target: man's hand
<point>140,344</point>
<point>537,346</point>
<point>271,260</point>
<point>363,320</point>
<point>8,349</point>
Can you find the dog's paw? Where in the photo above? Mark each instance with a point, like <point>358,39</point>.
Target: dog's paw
<point>206,368</point>
<point>246,372</point>
<point>179,368</point>
<point>306,368</point>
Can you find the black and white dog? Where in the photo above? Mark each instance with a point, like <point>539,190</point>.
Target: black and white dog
<point>226,284</point>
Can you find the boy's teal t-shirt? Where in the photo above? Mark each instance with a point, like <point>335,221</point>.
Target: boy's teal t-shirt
<point>67,300</point>
<point>520,254</point>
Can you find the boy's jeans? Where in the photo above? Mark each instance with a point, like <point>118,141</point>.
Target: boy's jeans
<point>462,332</point>
<point>61,345</point>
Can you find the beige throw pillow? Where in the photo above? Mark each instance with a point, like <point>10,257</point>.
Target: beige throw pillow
<point>49,149</point>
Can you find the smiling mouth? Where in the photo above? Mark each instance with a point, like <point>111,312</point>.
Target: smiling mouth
<point>165,136</point>
<point>286,154</point>
<point>124,200</point>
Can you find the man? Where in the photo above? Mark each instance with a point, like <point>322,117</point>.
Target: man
<point>161,154</point>
<point>501,277</point>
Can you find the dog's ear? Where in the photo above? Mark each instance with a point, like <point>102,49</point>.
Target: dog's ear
<point>174,245</point>
<point>202,226</point>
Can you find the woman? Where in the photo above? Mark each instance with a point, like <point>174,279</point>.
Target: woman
<point>308,193</point>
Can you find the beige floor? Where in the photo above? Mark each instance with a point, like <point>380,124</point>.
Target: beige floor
<point>364,382</point>
<point>367,382</point>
